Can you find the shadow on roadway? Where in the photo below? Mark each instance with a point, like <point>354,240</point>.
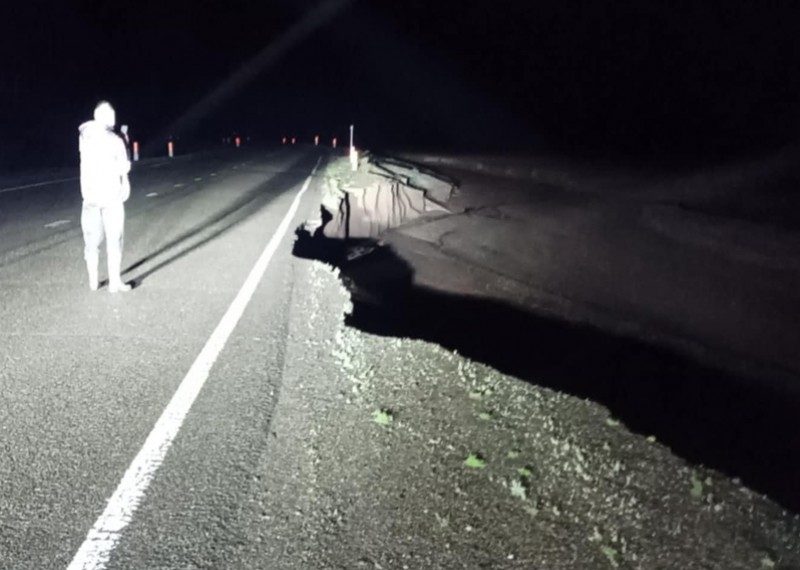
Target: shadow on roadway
<point>734,423</point>
<point>217,224</point>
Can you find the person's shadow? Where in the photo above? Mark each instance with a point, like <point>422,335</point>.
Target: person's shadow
<point>215,225</point>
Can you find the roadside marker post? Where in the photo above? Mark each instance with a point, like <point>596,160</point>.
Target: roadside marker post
<point>333,143</point>
<point>353,158</point>
<point>353,152</point>
<point>170,149</point>
<point>238,141</point>
<point>283,140</point>
<point>294,140</point>
<point>135,151</point>
<point>316,140</point>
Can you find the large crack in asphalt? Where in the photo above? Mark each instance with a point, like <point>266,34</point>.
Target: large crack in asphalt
<point>738,423</point>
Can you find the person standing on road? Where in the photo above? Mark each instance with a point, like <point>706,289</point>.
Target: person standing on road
<point>105,188</point>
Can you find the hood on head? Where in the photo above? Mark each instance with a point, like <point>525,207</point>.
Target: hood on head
<point>104,114</point>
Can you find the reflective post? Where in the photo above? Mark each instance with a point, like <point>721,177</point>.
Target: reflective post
<point>135,151</point>
<point>353,152</point>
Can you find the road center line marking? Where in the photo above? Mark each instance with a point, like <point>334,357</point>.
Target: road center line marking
<point>37,184</point>
<point>103,537</point>
<point>56,223</point>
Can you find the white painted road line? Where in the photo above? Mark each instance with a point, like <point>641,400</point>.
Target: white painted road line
<point>96,550</point>
<point>37,184</point>
<point>151,195</point>
<point>56,223</point>
<point>49,182</point>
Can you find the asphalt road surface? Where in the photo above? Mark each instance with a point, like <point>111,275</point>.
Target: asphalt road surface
<point>85,376</point>
<point>223,413</point>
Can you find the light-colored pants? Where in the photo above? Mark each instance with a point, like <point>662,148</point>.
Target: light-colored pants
<point>99,222</point>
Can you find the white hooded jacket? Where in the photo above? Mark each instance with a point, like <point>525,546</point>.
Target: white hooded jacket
<point>104,165</point>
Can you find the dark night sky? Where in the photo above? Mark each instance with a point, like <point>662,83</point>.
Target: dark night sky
<point>629,77</point>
